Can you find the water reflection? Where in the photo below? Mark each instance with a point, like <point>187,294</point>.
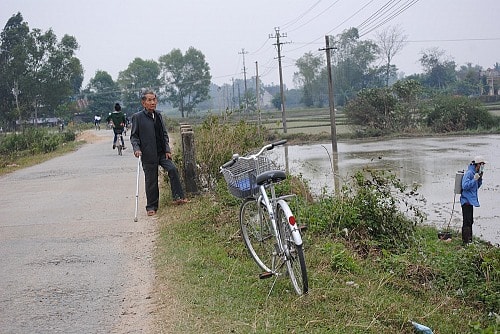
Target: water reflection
<point>430,162</point>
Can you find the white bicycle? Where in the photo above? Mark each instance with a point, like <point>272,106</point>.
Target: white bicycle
<point>268,226</point>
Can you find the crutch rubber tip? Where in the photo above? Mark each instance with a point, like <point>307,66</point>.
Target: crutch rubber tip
<point>135,220</point>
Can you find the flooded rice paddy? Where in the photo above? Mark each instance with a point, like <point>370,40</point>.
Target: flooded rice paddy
<point>430,162</point>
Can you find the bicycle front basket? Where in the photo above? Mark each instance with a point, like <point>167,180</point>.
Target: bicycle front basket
<point>240,178</point>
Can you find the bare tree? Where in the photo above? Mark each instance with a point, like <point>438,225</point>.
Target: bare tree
<point>390,41</point>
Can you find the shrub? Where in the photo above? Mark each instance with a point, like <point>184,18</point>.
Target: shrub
<point>374,211</point>
<point>458,113</point>
<point>217,141</point>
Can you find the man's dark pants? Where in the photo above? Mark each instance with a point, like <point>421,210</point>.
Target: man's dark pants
<point>468,220</point>
<point>151,181</point>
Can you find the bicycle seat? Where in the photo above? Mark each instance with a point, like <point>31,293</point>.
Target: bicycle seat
<point>271,176</point>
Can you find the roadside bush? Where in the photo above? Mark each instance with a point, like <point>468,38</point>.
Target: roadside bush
<point>216,142</point>
<point>374,211</point>
<point>33,141</point>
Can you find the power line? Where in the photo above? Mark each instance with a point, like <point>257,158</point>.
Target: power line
<point>321,13</point>
<point>454,40</point>
<point>398,11</point>
<point>300,16</point>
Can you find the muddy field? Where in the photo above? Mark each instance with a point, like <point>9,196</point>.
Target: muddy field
<point>432,163</point>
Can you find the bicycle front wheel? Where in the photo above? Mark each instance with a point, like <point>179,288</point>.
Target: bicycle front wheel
<point>295,260</point>
<point>257,233</point>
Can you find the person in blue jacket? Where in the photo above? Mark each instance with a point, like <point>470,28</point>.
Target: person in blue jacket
<point>471,182</point>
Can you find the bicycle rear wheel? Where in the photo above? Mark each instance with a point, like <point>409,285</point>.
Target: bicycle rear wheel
<point>295,260</point>
<point>257,233</point>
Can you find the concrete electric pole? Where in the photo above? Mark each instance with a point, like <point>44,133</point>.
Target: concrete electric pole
<point>245,78</point>
<point>278,44</point>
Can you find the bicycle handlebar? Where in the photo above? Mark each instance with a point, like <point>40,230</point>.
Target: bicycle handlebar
<point>267,147</point>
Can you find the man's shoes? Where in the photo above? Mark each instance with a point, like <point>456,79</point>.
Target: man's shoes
<point>114,146</point>
<point>151,212</point>
<point>124,148</point>
<point>181,201</point>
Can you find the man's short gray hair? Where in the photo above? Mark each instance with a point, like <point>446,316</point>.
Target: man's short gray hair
<point>145,92</point>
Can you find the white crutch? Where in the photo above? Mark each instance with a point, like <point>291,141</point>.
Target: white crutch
<point>137,188</point>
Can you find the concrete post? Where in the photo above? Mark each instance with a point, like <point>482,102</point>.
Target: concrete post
<point>188,155</point>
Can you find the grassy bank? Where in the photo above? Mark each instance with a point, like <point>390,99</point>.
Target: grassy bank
<point>204,269</point>
<point>357,285</point>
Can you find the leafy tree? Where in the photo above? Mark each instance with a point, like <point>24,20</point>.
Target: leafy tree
<point>390,41</point>
<point>309,77</point>
<point>439,70</point>
<point>44,72</point>
<point>408,111</point>
<point>352,62</point>
<point>140,74</point>
<point>186,79</point>
<point>374,109</point>
<point>12,60</point>
<point>469,80</point>
<point>103,93</point>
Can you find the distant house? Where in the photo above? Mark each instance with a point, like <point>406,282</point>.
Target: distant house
<point>44,121</point>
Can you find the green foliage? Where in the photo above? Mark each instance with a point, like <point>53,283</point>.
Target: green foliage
<point>374,211</point>
<point>139,74</point>
<point>186,78</point>
<point>373,109</point>
<point>42,69</point>
<point>204,255</point>
<point>457,113</point>
<point>32,141</point>
<point>339,257</point>
<point>217,141</point>
<point>470,273</point>
<point>103,94</point>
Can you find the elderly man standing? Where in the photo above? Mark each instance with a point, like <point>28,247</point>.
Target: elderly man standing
<point>471,182</point>
<point>150,141</point>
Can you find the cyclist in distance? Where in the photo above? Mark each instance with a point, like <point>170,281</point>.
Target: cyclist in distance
<point>117,120</point>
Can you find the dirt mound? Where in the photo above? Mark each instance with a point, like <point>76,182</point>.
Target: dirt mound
<point>90,136</point>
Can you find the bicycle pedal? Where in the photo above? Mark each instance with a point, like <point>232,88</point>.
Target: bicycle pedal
<point>266,274</point>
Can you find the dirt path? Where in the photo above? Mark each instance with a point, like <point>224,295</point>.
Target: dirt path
<point>72,259</point>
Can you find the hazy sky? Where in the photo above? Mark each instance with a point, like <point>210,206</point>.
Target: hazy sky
<point>111,33</point>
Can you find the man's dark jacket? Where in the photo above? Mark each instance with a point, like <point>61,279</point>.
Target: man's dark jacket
<point>142,136</point>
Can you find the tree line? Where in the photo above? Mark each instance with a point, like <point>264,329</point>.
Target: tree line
<point>42,77</point>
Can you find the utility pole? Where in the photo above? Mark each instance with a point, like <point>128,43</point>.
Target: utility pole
<point>245,77</point>
<point>278,47</point>
<point>234,96</point>
<point>257,95</point>
<point>333,126</point>
<point>330,94</point>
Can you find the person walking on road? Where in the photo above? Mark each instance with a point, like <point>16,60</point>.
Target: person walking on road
<point>117,119</point>
<point>471,182</point>
<point>150,141</point>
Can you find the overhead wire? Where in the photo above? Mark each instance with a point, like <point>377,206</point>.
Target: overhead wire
<point>284,26</point>
<point>398,11</point>
<point>313,18</point>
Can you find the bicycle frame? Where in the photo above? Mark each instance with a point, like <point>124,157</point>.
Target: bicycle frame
<point>268,226</point>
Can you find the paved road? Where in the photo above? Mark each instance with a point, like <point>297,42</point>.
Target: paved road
<point>72,260</point>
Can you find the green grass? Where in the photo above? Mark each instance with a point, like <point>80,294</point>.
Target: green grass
<point>202,259</point>
<point>31,160</point>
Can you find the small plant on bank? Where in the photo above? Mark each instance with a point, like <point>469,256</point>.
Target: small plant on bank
<point>374,210</point>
